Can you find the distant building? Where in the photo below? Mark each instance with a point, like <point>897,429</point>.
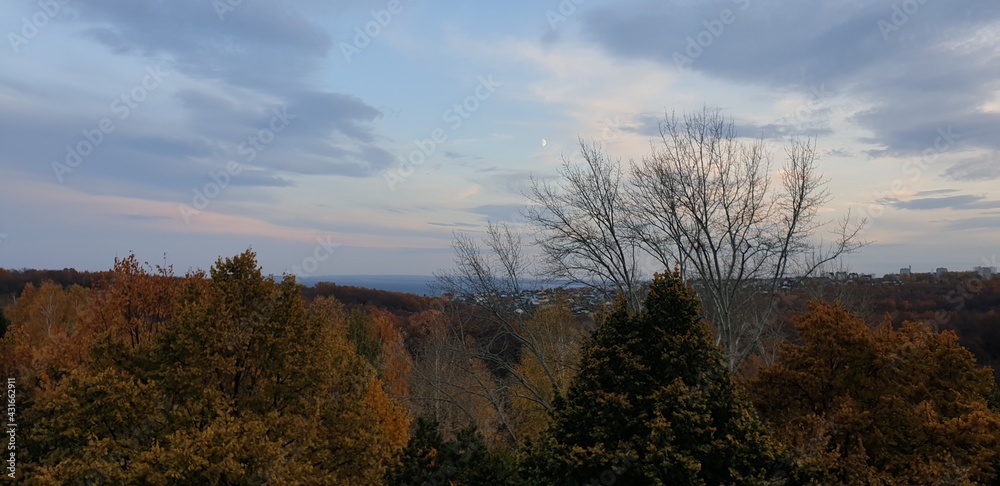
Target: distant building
<point>841,275</point>
<point>941,271</point>
<point>985,273</point>
<point>903,272</point>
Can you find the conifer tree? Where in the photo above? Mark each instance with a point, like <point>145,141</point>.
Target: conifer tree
<point>463,460</point>
<point>653,403</point>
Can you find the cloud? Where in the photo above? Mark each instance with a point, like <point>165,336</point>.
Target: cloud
<point>648,125</point>
<point>454,225</point>
<point>328,133</point>
<point>502,181</point>
<point>932,73</point>
<point>70,208</point>
<point>961,202</point>
<point>451,154</point>
<point>775,131</point>
<point>982,222</point>
<point>934,192</point>
<point>225,80</point>
<point>980,169</point>
<point>259,178</point>
<point>250,46</point>
<point>144,217</point>
<point>645,124</point>
<point>500,212</point>
<point>227,75</point>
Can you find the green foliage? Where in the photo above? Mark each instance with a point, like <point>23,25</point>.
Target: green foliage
<point>653,403</point>
<point>464,460</point>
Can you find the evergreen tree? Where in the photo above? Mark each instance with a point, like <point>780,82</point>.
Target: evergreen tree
<point>653,403</point>
<point>464,460</point>
<point>4,324</point>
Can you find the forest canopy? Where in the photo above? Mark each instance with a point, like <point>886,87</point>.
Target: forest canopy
<point>229,376</point>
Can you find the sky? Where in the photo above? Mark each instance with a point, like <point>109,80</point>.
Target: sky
<point>337,137</point>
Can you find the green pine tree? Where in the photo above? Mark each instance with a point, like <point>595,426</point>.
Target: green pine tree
<point>653,403</point>
<point>4,324</point>
<point>463,460</point>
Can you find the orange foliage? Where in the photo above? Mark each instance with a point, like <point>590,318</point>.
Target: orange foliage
<point>857,405</point>
<point>227,380</point>
<point>395,361</point>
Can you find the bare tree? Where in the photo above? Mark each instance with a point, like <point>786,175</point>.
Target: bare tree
<point>489,279</point>
<point>584,225</point>
<point>454,387</point>
<point>704,201</point>
<point>833,282</point>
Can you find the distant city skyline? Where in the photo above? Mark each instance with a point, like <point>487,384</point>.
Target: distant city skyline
<point>354,138</point>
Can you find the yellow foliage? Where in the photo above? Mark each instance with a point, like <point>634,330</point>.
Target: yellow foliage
<point>546,370</point>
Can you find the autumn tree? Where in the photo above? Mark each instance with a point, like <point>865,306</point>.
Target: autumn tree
<point>494,324</point>
<point>239,383</point>
<point>857,405</point>
<point>558,336</point>
<point>395,362</point>
<point>39,342</point>
<point>451,386</point>
<point>375,337</point>
<point>48,309</point>
<point>361,333</point>
<point>653,403</point>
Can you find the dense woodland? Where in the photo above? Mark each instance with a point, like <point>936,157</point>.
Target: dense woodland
<point>140,376</point>
<point>960,301</point>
